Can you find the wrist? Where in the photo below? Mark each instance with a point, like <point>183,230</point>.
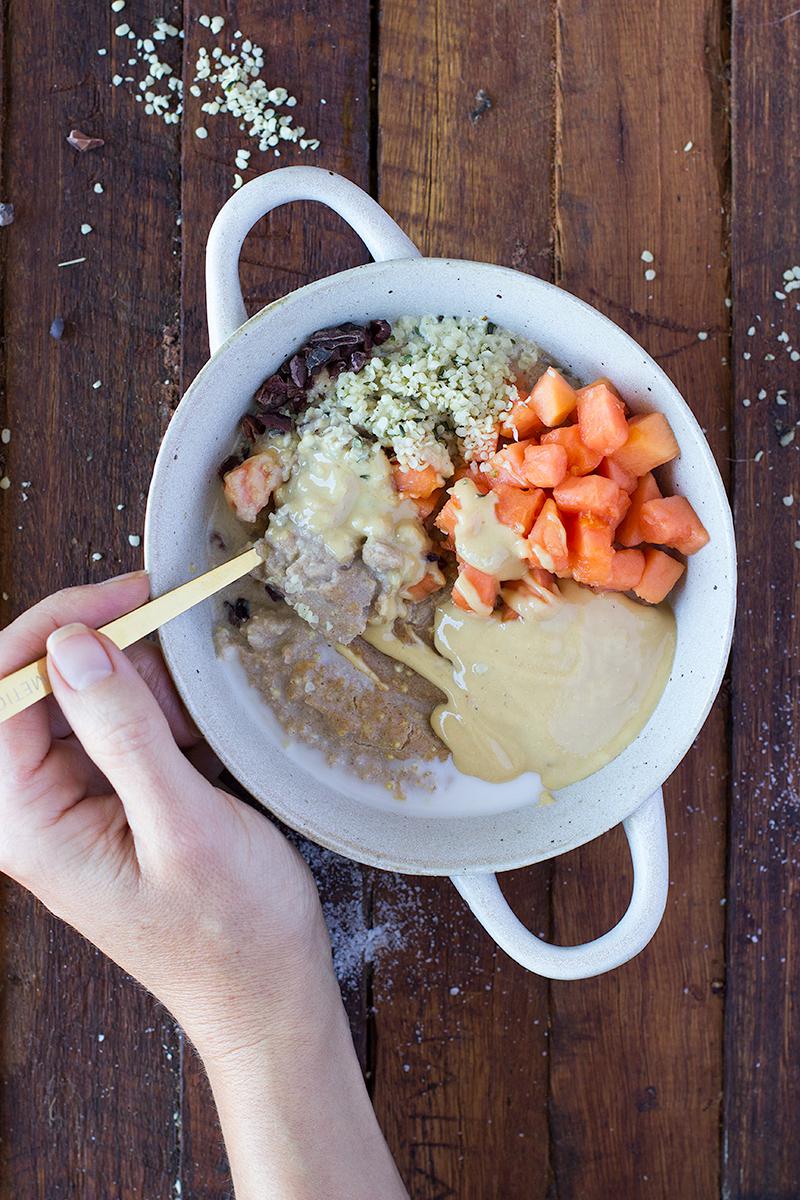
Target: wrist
<point>251,998</point>
<point>254,1028</point>
<point>294,1110</point>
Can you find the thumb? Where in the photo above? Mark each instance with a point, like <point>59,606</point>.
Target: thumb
<point>118,721</point>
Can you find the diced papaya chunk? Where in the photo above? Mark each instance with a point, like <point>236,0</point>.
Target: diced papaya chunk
<point>630,532</point>
<point>545,466</point>
<point>432,581</point>
<point>507,464</point>
<point>249,486</point>
<point>552,398</point>
<point>427,505</point>
<point>650,444</point>
<point>698,538</point>
<point>610,469</point>
<point>672,521</point>
<point>661,573</point>
<point>601,418</point>
<point>517,508</point>
<point>521,421</point>
<point>473,472</point>
<point>627,567</point>
<point>475,591</point>
<point>447,517</point>
<point>580,459</point>
<point>590,551</point>
<point>418,483</point>
<point>548,540</point>
<point>591,494</point>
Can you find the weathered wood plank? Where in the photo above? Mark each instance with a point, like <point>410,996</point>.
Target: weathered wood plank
<point>640,163</point>
<point>762,1042</point>
<point>460,1071</point>
<point>319,54</point>
<point>81,1115</point>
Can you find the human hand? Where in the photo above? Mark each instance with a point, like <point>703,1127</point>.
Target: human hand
<point>106,820</point>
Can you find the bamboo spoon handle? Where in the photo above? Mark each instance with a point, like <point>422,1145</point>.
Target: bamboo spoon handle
<point>29,684</point>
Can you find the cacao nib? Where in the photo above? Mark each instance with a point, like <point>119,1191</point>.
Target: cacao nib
<point>317,357</point>
<point>380,331</point>
<point>293,392</point>
<point>298,371</point>
<point>252,427</point>
<point>272,393</point>
<point>342,335</point>
<point>276,422</point>
<point>284,394</point>
<point>84,141</point>
<point>238,612</point>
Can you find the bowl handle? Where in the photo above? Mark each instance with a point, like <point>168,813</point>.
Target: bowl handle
<point>646,830</point>
<point>383,238</point>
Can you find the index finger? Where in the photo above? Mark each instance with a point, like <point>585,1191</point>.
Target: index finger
<point>26,738</point>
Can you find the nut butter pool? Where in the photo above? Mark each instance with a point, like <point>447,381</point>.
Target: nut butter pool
<point>560,692</point>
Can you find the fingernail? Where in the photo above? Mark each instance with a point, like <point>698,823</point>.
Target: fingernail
<point>119,578</point>
<point>78,656</point>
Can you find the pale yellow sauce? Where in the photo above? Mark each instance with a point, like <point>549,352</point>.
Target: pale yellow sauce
<point>560,692</point>
<point>349,500</point>
<point>483,541</point>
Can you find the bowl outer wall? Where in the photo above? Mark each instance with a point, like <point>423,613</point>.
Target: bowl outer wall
<point>184,489</point>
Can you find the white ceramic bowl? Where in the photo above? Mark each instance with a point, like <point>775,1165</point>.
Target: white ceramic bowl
<point>185,487</point>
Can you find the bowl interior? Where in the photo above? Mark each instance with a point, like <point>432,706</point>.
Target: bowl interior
<point>185,488</point>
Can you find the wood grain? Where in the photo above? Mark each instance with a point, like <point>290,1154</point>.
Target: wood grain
<point>636,1056</point>
<point>81,1116</point>
<point>461,1062</point>
<point>316,54</point>
<point>761,1155</point>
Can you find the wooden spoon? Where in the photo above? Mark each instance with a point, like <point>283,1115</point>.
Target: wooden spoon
<point>29,684</point>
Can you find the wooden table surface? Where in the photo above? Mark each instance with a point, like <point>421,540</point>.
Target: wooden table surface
<point>663,125</point>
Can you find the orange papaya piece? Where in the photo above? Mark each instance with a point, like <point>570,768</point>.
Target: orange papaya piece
<point>627,567</point>
<point>630,532</point>
<point>545,466</point>
<point>590,550</point>
<point>601,418</point>
<point>517,508</point>
<point>580,459</point>
<point>591,494</point>
<point>650,444</point>
<point>548,540</point>
<point>671,521</point>
<point>661,573</point>
<point>475,591</point>
<point>552,398</point>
